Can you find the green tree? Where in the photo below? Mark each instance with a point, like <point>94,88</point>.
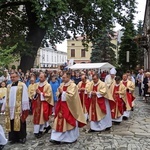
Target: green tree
<point>103,49</point>
<point>128,44</point>
<point>140,27</point>
<point>7,56</point>
<point>140,48</point>
<point>27,22</point>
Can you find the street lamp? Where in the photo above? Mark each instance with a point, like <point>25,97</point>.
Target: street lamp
<point>128,58</point>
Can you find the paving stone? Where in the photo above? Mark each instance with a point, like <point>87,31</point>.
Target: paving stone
<point>133,134</point>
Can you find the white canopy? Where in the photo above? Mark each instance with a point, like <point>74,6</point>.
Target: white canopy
<point>92,66</point>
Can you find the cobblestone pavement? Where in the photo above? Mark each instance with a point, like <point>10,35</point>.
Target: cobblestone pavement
<point>133,134</point>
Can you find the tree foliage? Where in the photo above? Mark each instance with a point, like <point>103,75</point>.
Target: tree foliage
<point>128,44</point>
<point>27,22</point>
<point>103,49</point>
<point>140,49</point>
<point>7,56</point>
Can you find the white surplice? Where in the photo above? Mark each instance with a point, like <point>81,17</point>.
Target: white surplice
<point>119,119</point>
<point>12,100</point>
<point>68,136</point>
<point>3,140</point>
<point>106,122</point>
<point>126,113</point>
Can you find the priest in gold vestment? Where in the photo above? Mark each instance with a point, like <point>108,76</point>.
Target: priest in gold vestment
<point>130,87</point>
<point>42,106</point>
<point>119,95</point>
<point>82,88</point>
<point>68,114</point>
<point>100,109</point>
<point>16,107</point>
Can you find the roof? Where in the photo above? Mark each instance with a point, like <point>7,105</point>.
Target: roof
<point>92,66</point>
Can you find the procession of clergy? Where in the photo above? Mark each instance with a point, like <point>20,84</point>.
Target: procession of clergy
<point>100,103</point>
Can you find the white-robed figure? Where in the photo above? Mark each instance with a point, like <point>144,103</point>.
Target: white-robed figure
<point>3,140</point>
<point>110,78</point>
<point>16,107</point>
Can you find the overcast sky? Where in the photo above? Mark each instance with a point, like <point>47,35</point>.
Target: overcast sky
<point>139,16</point>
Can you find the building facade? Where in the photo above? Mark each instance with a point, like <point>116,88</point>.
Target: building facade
<point>49,57</point>
<point>146,36</point>
<point>76,51</point>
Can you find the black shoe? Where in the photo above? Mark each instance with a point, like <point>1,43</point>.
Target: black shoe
<point>22,141</point>
<point>47,129</point>
<point>108,129</point>
<point>132,109</point>
<point>37,135</point>
<point>55,142</point>
<point>125,118</point>
<point>13,142</point>
<point>69,142</point>
<point>91,131</point>
<point>117,123</point>
<point>1,147</point>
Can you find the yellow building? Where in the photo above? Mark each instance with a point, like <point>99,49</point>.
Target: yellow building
<point>76,51</point>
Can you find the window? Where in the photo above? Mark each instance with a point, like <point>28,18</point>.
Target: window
<point>73,44</point>
<point>72,52</point>
<point>82,52</point>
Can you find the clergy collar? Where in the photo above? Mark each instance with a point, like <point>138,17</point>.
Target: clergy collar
<point>95,84</point>
<point>84,82</point>
<point>68,83</point>
<point>125,81</point>
<point>41,84</point>
<point>15,83</point>
<point>117,85</point>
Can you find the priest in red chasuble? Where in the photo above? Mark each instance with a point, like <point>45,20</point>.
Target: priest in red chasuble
<point>130,87</point>
<point>100,110</point>
<point>16,108</point>
<point>82,87</point>
<point>68,114</point>
<point>119,95</point>
<point>42,106</point>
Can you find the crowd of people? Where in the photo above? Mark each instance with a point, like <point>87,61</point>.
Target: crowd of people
<point>73,98</point>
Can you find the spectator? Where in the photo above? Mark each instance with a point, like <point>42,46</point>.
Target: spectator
<point>146,83</point>
<point>54,85</point>
<point>3,93</point>
<point>77,78</point>
<point>140,77</point>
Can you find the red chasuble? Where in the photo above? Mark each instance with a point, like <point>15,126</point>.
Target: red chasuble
<point>100,101</point>
<point>84,98</point>
<point>38,106</point>
<point>118,103</point>
<point>130,97</point>
<point>63,113</point>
